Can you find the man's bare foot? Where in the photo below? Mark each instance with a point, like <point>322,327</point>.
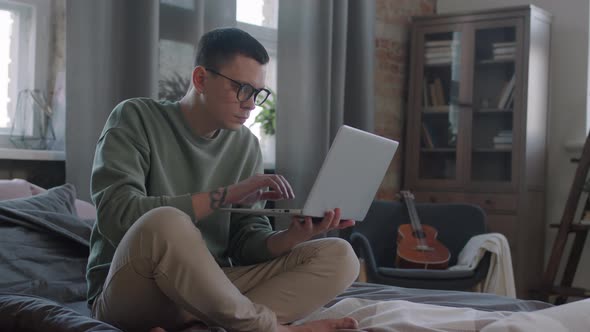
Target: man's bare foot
<point>324,325</point>
<point>192,327</point>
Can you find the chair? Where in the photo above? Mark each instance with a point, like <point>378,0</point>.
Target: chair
<point>374,240</point>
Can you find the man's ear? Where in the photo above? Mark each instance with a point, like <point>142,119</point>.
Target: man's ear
<point>198,78</point>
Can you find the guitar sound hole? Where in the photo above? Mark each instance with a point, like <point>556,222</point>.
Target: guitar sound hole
<point>419,234</point>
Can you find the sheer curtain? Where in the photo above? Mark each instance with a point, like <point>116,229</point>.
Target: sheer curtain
<point>112,54</point>
<point>325,79</point>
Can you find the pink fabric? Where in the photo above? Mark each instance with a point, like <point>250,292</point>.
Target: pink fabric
<point>15,188</point>
<point>18,188</point>
<point>85,210</point>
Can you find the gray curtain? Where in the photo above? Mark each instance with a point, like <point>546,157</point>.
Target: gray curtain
<point>112,55</point>
<point>325,79</point>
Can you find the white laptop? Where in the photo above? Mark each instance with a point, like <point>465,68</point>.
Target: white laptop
<point>348,179</point>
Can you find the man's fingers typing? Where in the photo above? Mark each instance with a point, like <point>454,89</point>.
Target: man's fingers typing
<point>271,183</point>
<point>288,186</point>
<point>271,196</point>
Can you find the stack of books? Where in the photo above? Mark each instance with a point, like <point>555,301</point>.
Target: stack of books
<point>503,140</point>
<point>440,51</point>
<point>504,50</point>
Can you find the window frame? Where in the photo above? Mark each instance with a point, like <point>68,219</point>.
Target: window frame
<point>268,37</point>
<point>265,35</point>
<point>33,71</point>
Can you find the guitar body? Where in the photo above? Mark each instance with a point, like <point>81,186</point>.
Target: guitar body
<point>417,246</point>
<point>411,255</point>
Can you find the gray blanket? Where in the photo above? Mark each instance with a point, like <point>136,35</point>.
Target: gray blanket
<point>44,246</point>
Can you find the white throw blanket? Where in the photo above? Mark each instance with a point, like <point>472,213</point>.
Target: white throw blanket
<point>500,277</point>
<point>404,316</point>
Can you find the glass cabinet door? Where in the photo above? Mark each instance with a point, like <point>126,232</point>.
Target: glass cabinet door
<point>495,94</point>
<point>439,108</point>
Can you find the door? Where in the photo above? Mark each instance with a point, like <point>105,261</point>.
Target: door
<point>434,113</point>
<point>495,110</point>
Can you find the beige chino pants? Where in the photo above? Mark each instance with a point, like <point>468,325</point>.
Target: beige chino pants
<point>163,275</point>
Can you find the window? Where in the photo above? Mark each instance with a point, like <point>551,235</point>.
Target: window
<point>16,57</point>
<point>259,18</point>
<point>177,50</point>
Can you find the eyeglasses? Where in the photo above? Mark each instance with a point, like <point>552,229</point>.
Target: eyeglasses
<point>246,91</point>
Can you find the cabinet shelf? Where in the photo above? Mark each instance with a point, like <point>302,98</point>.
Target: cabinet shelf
<point>443,110</point>
<point>494,111</point>
<point>441,64</point>
<point>487,150</point>
<point>438,150</point>
<point>495,62</point>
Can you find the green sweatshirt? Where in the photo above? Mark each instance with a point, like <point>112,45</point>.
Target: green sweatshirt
<point>147,157</point>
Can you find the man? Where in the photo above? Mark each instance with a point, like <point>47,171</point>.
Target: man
<point>162,254</point>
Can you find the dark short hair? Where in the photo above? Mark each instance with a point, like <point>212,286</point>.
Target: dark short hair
<point>219,46</point>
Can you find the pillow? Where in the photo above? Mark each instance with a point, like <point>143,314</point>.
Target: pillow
<point>14,188</point>
<point>44,246</point>
<point>30,313</point>
<point>85,209</point>
<point>58,199</point>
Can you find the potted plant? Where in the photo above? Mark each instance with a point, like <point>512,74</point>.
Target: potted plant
<point>267,117</point>
<point>267,121</point>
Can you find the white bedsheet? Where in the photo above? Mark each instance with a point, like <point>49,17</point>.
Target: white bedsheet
<point>412,317</point>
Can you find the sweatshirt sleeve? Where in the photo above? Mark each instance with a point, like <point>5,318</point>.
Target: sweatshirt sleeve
<point>121,165</point>
<point>249,233</point>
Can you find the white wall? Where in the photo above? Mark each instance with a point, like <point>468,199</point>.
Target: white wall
<point>568,98</point>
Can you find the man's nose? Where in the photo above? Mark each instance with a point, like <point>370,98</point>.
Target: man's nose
<point>249,104</point>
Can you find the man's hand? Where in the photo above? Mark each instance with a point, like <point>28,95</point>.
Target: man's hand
<point>258,187</point>
<point>254,189</point>
<point>301,231</point>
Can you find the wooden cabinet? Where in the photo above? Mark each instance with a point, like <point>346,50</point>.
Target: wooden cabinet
<point>477,122</point>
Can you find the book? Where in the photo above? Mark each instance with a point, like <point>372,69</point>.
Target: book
<point>426,99</point>
<point>432,92</point>
<point>502,145</point>
<point>445,60</point>
<point>506,91</point>
<point>504,50</point>
<point>426,137</point>
<point>503,44</point>
<point>434,50</point>
<point>447,55</point>
<point>510,102</point>
<point>502,139</point>
<point>440,94</point>
<point>503,57</point>
<point>438,43</point>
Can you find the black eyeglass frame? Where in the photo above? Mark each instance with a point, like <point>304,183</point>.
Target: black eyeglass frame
<point>241,86</point>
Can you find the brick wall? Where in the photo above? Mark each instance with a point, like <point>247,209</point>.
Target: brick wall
<point>391,77</point>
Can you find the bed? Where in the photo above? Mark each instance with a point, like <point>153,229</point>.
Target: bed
<point>43,250</point>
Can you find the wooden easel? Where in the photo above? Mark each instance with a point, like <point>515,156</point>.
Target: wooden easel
<point>569,224</point>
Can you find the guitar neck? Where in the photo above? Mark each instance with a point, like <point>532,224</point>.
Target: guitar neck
<point>414,219</point>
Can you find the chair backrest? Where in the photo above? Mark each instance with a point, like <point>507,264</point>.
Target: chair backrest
<point>456,224</point>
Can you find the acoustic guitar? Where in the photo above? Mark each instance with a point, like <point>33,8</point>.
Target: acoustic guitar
<point>417,246</point>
